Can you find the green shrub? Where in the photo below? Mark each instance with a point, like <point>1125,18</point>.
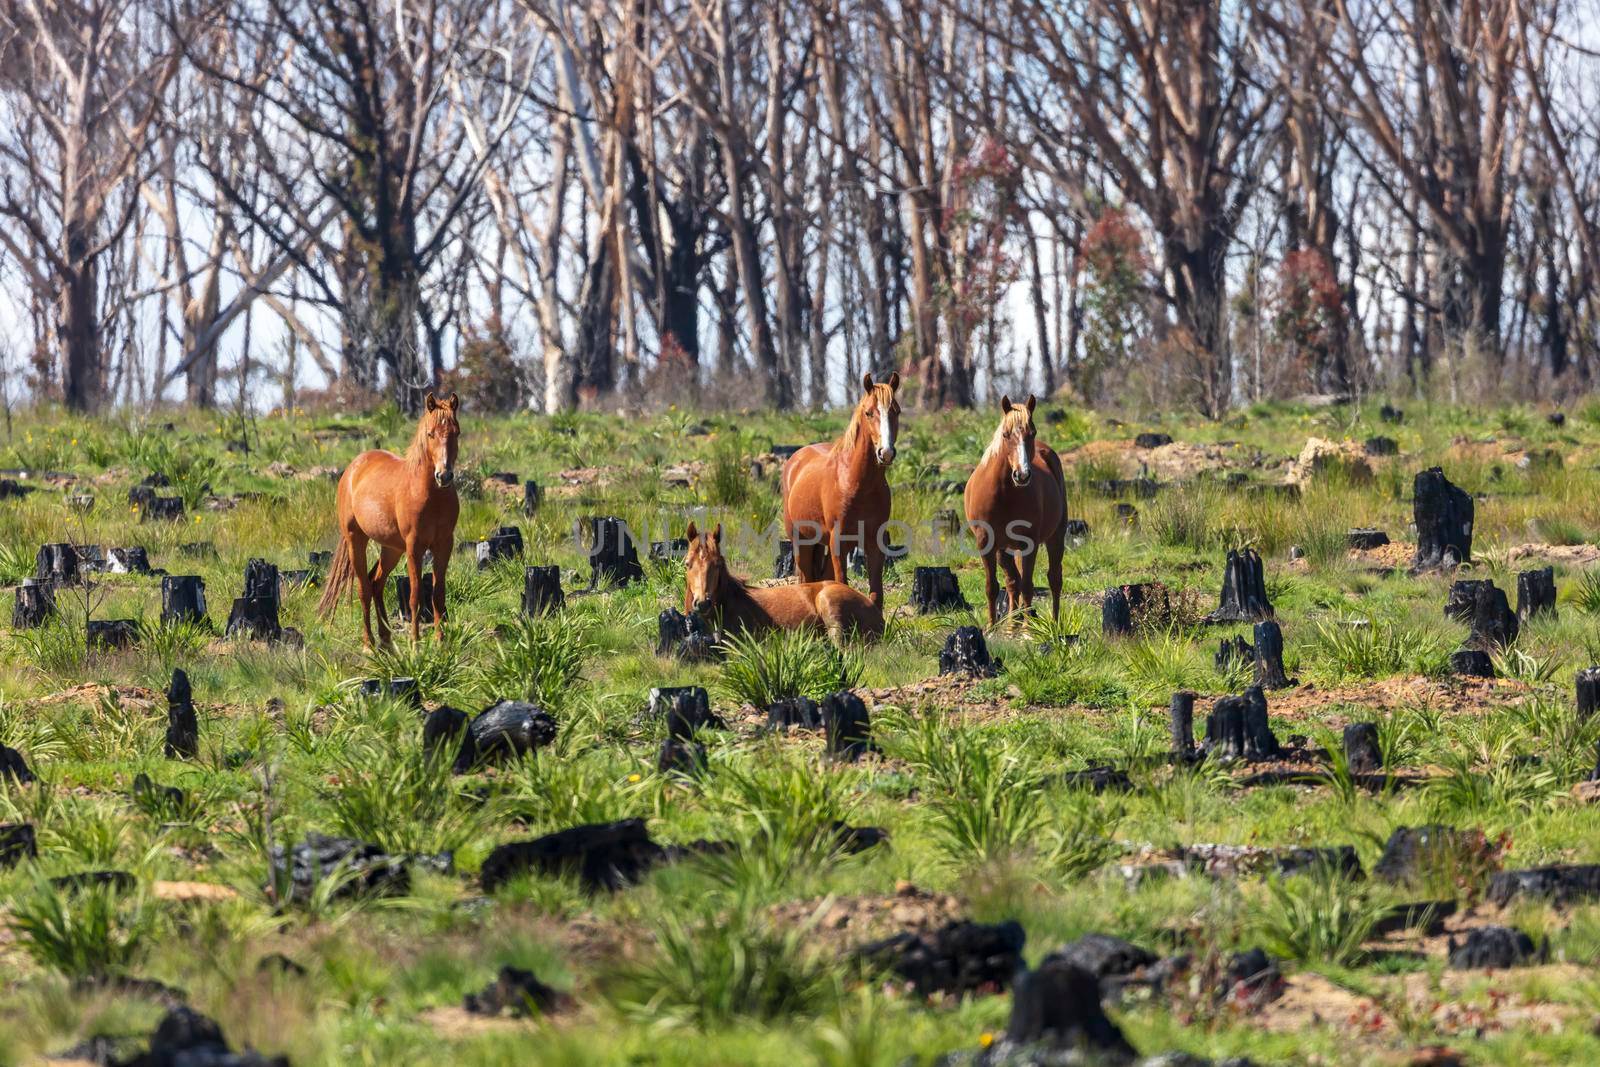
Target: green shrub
<point>89,934</point>
<point>761,670</point>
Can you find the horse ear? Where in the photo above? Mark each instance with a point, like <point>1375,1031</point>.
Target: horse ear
<point>431,402</point>
<point>716,535</point>
<point>454,403</point>
<point>894,381</point>
<point>691,533</point>
<point>1031,401</point>
<point>866,382</point>
<point>1005,403</point>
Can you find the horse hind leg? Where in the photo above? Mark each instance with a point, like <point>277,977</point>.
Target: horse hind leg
<point>1054,547</point>
<point>358,561</point>
<point>1027,561</point>
<point>381,570</point>
<point>1008,564</point>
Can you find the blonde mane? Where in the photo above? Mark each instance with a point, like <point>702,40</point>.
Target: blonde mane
<point>852,433</point>
<point>1015,419</point>
<point>417,450</point>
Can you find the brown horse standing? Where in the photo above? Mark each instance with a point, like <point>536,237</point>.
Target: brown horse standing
<point>1016,500</point>
<point>712,591</point>
<point>837,495</point>
<point>407,505</point>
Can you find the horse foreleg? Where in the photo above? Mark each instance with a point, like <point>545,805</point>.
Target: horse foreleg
<point>1029,558</point>
<point>1054,547</point>
<point>874,551</point>
<point>441,563</point>
<point>381,570</point>
<point>414,568</point>
<point>836,554</point>
<point>991,587</point>
<point>358,560</point>
<point>1008,563</point>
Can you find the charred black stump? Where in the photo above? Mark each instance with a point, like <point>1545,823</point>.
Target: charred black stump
<point>446,728</point>
<point>183,599</point>
<point>1588,692</point>
<point>1152,440</point>
<point>163,509</point>
<point>361,869</point>
<point>110,634</point>
<point>1361,750</point>
<point>613,558</point>
<point>689,637</point>
<point>966,652</point>
<point>1381,446</point>
<point>1558,884</point>
<point>783,563</point>
<point>504,543</point>
<point>1443,514</point>
<point>17,843</point>
<point>1126,514</point>
<point>671,549</point>
<point>1103,956</point>
<point>1462,600</point>
<point>1234,652</point>
<point>1224,738</point>
<point>1365,538</point>
<point>685,709</point>
<point>13,766</point>
<point>511,729</point>
<point>255,617</point>
<point>541,590</point>
<point>1391,414</point>
<point>1270,673</point>
<point>947,524</point>
<point>1471,663</point>
<point>402,689</point>
<point>681,756</point>
<point>794,713</point>
<point>57,563</point>
<point>892,554</point>
<point>183,727</point>
<point>602,856</point>
<point>1078,529</point>
<point>1116,614</point>
<point>1056,1009</point>
<point>402,597</point>
<point>1494,624</point>
<point>1250,978</point>
<point>134,560</point>
<point>532,497</point>
<point>846,725</point>
<point>1536,593</point>
<point>960,957</point>
<point>320,561</point>
<point>1492,948</point>
<point>1244,589</point>
<point>515,991</point>
<point>36,602</point>
<point>205,550</point>
<point>1182,715</point>
<point>160,801</point>
<point>1259,740</point>
<point>934,589</point>
<point>1099,780</point>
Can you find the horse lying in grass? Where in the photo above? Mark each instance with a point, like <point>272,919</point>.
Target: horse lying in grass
<point>713,593</point>
<point>1016,500</point>
<point>836,496</point>
<point>408,505</point>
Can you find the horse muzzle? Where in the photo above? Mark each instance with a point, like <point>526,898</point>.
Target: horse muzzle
<point>885,456</point>
<point>1021,478</point>
<point>702,607</point>
<point>444,479</point>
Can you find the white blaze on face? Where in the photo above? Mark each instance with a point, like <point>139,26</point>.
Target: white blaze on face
<point>1022,456</point>
<point>886,439</point>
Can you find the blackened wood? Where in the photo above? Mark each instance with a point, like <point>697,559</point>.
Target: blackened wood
<point>1588,692</point>
<point>1471,663</point>
<point>1116,615</point>
<point>1225,732</point>
<point>1182,714</point>
<point>255,617</point>
<point>320,560</point>
<point>1536,593</point>
<point>36,602</point>
<point>1381,446</point>
<point>1152,440</point>
<point>966,652</point>
<point>1270,673</point>
<point>141,496</point>
<point>261,580</point>
<point>1077,529</point>
<point>532,497</point>
<point>1494,624</point>
<point>1126,514</point>
<point>783,563</point>
<point>57,562</point>
<point>947,524</point>
<point>1365,538</point>
<point>163,509</point>
<point>1462,600</point>
<point>1391,414</point>
<point>892,554</point>
<point>541,590</point>
<point>402,597</point>
<point>846,725</point>
<point>688,637</point>
<point>206,550</point>
<point>504,543</point>
<point>183,598</point>
<point>1443,514</point>
<point>794,713</point>
<point>17,843</point>
<point>183,727</point>
<point>133,560</point>
<point>446,728</point>
<point>1244,589</point>
<point>1361,750</point>
<point>1232,653</point>
<point>685,709</point>
<point>109,634</point>
<point>613,557</point>
<point>1259,741</point>
<point>673,548</point>
<point>935,589</point>
<point>681,756</point>
<point>394,688</point>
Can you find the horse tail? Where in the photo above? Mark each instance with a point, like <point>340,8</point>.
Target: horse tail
<point>341,577</point>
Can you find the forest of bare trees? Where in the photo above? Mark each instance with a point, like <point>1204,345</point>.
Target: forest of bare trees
<point>562,203</point>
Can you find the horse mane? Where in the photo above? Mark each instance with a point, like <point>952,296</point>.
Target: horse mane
<point>852,432</point>
<point>417,450</point>
<point>1017,416</point>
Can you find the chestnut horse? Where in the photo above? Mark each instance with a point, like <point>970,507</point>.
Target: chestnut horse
<point>407,505</point>
<point>1016,500</point>
<point>712,591</point>
<point>837,495</point>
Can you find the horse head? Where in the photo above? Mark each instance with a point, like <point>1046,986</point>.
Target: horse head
<point>437,435</point>
<point>878,412</point>
<point>704,570</point>
<point>1016,436</point>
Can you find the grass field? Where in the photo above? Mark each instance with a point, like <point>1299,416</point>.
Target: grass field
<point>745,957</point>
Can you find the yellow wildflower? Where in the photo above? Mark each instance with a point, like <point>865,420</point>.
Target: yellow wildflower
<point>634,778</point>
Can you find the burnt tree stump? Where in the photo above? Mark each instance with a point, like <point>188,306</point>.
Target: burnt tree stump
<point>110,634</point>
<point>1078,529</point>
<point>1270,673</point>
<point>36,602</point>
<point>1259,740</point>
<point>183,728</point>
<point>1182,714</point>
<point>511,729</point>
<point>183,599</point>
<point>127,561</point>
<point>613,558</point>
<point>1443,514</point>
<point>58,563</point>
<point>1116,614</point>
<point>1244,589</point>
<point>1361,750</point>
<point>1391,414</point>
<point>846,726</point>
<point>541,590</point>
<point>1232,653</point>
<point>532,497</point>
<point>934,589</point>
<point>446,726</point>
<point>13,766</point>
<point>688,637</point>
<point>1151,440</point>
<point>684,757</point>
<point>783,563</point>
<point>504,543</point>
<point>1588,692</point>
<point>673,548</point>
<point>1462,600</point>
<point>966,652</point>
<point>255,614</point>
<point>1381,446</point>
<point>320,561</point>
<point>1126,514</point>
<point>1536,593</point>
<point>1494,624</point>
<point>685,709</point>
<point>17,843</point>
<point>1364,538</point>
<point>1471,663</point>
<point>163,509</point>
<point>1225,732</point>
<point>402,597</point>
<point>794,713</point>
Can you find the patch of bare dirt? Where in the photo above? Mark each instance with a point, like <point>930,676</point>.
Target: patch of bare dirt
<point>186,891</point>
<point>135,697</point>
<point>843,922</point>
<point>1394,554</point>
<point>1176,462</point>
<point>1454,695</point>
<point>1569,555</point>
<point>1319,454</point>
